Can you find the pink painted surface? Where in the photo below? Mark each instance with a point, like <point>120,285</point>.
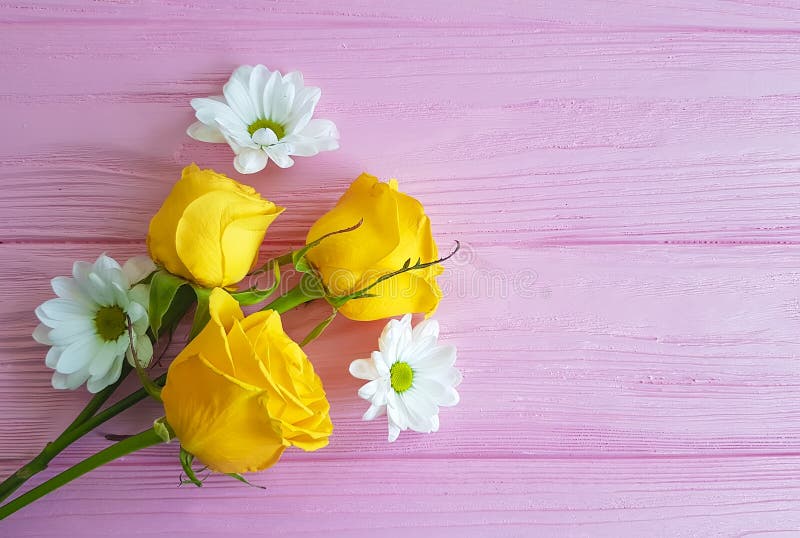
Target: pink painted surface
<point>625,176</point>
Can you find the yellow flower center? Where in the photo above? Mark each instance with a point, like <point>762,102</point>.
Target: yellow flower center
<point>110,323</point>
<point>402,376</point>
<point>262,123</point>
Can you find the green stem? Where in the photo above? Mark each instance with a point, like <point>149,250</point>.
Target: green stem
<point>283,259</point>
<point>147,383</point>
<point>54,448</point>
<point>99,399</point>
<point>72,434</point>
<point>291,299</point>
<point>131,444</point>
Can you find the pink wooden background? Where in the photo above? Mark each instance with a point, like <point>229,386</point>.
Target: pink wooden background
<point>624,175</point>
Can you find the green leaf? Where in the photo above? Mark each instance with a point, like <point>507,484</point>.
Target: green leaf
<point>254,295</point>
<point>242,479</point>
<point>181,303</point>
<point>299,256</point>
<point>186,462</point>
<point>316,331</point>
<point>364,292</point>
<point>163,288</point>
<point>201,315</point>
<point>163,430</point>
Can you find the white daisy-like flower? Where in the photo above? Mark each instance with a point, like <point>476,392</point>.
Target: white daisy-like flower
<point>87,324</point>
<point>264,115</point>
<point>409,378</point>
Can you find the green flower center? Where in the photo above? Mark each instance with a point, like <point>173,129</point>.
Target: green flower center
<point>402,376</point>
<point>110,322</point>
<point>261,123</point>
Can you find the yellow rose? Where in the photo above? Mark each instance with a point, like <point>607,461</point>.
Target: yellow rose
<point>209,228</point>
<point>394,229</point>
<point>242,391</point>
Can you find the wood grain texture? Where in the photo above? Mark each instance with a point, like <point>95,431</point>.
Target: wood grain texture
<point>624,177</point>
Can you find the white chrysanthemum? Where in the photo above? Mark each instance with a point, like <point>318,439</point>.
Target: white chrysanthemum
<point>264,115</point>
<point>409,378</point>
<point>87,326</point>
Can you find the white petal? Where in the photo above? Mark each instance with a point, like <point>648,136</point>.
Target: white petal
<point>242,74</point>
<point>123,343</point>
<point>207,109</point>
<point>295,78</point>
<point>110,272</point>
<point>78,355</point>
<point>280,154</point>
<point>281,101</point>
<point>67,288</point>
<point>419,408</point>
<point>236,134</point>
<point>238,99</point>
<point>100,290</point>
<point>53,354</point>
<point>265,137</point>
<point>42,334</point>
<point>80,272</point>
<point>417,350</point>
<point>304,104</point>
<point>435,423</point>
<point>381,364</point>
<point>95,384</point>
<point>120,296</point>
<point>71,381</point>
<point>374,412</point>
<point>394,432</point>
<point>205,133</point>
<point>70,331</point>
<point>140,293</point>
<point>62,309</point>
<point>419,403</point>
<point>105,263</point>
<point>453,398</point>
<point>301,146</point>
<point>139,267</point>
<point>250,161</point>
<point>445,375</point>
<point>269,90</point>
<point>214,113</point>
<point>363,369</point>
<point>323,134</point>
<point>103,359</point>
<point>426,329</point>
<point>396,411</point>
<point>381,396</point>
<point>389,340</point>
<point>370,389</point>
<point>437,356</point>
<point>402,337</point>
<point>257,82</point>
<point>136,311</point>
<point>440,394</point>
<point>144,351</point>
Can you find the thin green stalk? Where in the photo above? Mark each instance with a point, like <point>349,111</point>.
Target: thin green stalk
<point>69,436</point>
<point>291,299</point>
<point>131,444</point>
<point>99,399</point>
<point>54,448</point>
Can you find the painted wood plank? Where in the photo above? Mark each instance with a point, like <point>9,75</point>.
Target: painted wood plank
<point>577,351</point>
<point>588,134</point>
<point>623,176</point>
<point>710,497</point>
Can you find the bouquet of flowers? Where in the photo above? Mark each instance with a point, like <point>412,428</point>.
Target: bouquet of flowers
<point>241,391</point>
